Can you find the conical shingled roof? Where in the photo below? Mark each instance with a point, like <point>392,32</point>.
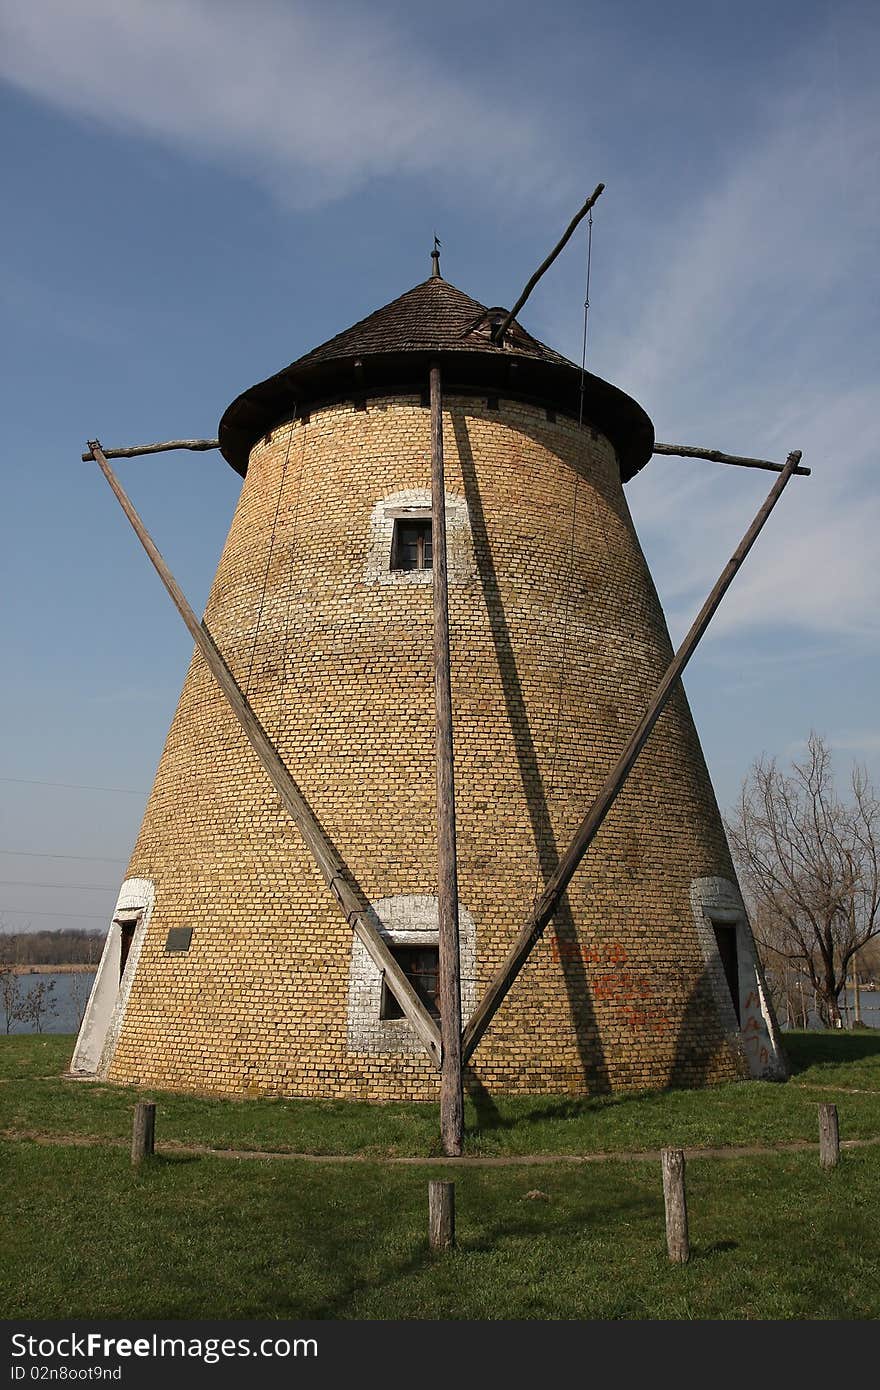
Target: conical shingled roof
<point>390,350</point>
<point>433,316</point>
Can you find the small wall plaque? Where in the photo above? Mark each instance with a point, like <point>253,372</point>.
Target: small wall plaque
<point>178,939</point>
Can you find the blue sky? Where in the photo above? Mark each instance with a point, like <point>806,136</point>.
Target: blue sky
<point>198,191</point>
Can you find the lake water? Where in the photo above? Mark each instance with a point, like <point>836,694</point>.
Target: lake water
<point>69,998</point>
<point>869,1000</point>
<point>71,994</point>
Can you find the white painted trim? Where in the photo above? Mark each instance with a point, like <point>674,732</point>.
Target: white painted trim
<point>416,504</point>
<point>407,920</point>
<point>102,1020</point>
<point>756,1037</point>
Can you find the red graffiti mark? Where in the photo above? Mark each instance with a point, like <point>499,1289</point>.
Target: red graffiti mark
<point>622,986</point>
<point>752,1000</point>
<point>567,951</point>
<point>764,1054</point>
<point>608,981</point>
<point>752,1026</point>
<point>647,1018</point>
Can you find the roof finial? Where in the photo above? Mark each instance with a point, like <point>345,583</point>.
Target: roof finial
<point>435,259</point>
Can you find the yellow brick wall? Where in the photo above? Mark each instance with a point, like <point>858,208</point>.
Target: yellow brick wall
<point>339,671</point>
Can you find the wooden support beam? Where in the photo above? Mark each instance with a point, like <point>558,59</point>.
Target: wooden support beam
<point>198,445</point>
<point>451,1098</point>
<point>549,900</point>
<point>441,1215</point>
<point>829,1137</point>
<point>143,1131</point>
<point>715,456</point>
<point>675,1202</point>
<point>499,332</point>
<point>331,866</point>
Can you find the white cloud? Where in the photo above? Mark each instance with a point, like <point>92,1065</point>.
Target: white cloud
<point>785,224</point>
<point>861,743</point>
<point>815,565</point>
<point>315,100</point>
<point>754,336</point>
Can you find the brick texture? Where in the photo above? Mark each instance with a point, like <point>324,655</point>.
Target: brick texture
<point>558,640</point>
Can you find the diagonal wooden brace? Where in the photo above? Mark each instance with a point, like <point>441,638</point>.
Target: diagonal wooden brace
<point>333,870</point>
<point>499,332</point>
<point>546,905</point>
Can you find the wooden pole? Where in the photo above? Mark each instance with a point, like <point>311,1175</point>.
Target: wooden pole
<point>549,900</point>
<point>499,332</point>
<point>331,866</point>
<point>829,1137</point>
<point>675,1201</point>
<point>441,1215</point>
<point>195,444</point>
<point>857,1002</point>
<point>451,1099</point>
<point>143,1131</point>
<point>715,456</point>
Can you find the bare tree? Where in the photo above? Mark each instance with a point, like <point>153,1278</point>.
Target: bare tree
<point>791,989</point>
<point>11,999</point>
<point>39,1003</point>
<point>810,864</point>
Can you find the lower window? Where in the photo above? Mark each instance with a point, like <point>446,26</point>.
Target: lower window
<point>420,965</point>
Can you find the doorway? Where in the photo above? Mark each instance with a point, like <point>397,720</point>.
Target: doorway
<point>725,938</point>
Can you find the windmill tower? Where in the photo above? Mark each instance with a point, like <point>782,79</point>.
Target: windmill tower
<point>228,966</point>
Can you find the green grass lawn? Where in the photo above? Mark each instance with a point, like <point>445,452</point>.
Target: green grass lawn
<point>34,1098</point>
<point>207,1237</point>
<point>85,1235</point>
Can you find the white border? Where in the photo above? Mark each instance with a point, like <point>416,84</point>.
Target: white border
<point>105,1011</point>
<point>756,1035</point>
<point>408,920</point>
<point>416,503</point>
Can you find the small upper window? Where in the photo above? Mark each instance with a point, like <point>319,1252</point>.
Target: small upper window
<point>411,544</point>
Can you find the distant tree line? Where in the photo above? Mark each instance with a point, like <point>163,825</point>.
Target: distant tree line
<point>51,947</point>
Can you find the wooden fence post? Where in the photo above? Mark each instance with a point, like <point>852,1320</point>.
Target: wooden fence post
<point>441,1215</point>
<point>829,1137</point>
<point>143,1130</point>
<point>677,1243</point>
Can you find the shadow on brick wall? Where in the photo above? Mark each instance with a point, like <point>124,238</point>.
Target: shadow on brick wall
<point>590,1051</point>
<point>700,1042</point>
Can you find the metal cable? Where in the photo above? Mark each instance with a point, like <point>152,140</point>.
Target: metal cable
<point>247,687</point>
<point>586,320</point>
<point>286,648</point>
<point>571,549</point>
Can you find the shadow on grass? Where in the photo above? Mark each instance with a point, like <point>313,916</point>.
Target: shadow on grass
<point>559,1108</point>
<point>718,1247</point>
<point>488,1114</point>
<point>484,1241</point>
<point>806,1050</point>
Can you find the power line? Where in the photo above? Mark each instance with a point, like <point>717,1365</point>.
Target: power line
<point>82,858</point>
<point>31,883</point>
<point>73,786</point>
<point>27,912</point>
